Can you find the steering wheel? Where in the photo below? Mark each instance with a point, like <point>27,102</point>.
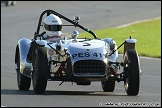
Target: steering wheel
<point>39,35</point>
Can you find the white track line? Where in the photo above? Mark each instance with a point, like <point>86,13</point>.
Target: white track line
<point>150,58</point>
<point>145,57</point>
<point>145,20</point>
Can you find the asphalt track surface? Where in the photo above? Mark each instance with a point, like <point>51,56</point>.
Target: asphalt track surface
<point>21,20</point>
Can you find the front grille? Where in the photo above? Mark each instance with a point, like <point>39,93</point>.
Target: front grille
<point>89,67</point>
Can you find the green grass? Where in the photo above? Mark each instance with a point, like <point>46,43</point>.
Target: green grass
<point>148,35</point>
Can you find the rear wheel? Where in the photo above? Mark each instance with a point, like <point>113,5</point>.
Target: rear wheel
<point>108,86</point>
<point>23,82</point>
<point>132,72</point>
<point>40,70</point>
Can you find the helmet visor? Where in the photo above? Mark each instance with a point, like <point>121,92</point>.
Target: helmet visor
<point>53,27</point>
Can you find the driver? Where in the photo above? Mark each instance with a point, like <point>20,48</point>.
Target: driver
<point>52,26</point>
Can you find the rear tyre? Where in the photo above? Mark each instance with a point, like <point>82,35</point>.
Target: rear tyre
<point>40,70</point>
<point>108,86</point>
<point>132,72</point>
<point>23,82</point>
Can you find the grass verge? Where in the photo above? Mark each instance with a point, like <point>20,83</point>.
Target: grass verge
<point>148,35</point>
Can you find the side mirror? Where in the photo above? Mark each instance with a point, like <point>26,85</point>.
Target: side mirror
<point>76,19</point>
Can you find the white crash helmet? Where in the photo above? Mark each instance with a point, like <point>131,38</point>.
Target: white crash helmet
<point>52,25</point>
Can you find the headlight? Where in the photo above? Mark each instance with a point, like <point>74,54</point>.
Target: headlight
<point>112,44</point>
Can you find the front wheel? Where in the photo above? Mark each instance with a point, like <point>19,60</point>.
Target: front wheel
<point>23,82</point>
<point>108,86</point>
<point>132,72</point>
<point>40,70</point>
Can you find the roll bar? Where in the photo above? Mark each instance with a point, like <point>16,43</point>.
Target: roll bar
<point>65,18</point>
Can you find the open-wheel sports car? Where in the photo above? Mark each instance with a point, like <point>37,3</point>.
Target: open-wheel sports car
<point>74,59</point>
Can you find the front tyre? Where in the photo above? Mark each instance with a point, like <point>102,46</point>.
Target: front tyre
<point>132,72</point>
<point>40,70</point>
<point>108,86</point>
<point>23,82</point>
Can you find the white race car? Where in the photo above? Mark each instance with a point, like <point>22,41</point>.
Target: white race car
<point>74,59</point>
